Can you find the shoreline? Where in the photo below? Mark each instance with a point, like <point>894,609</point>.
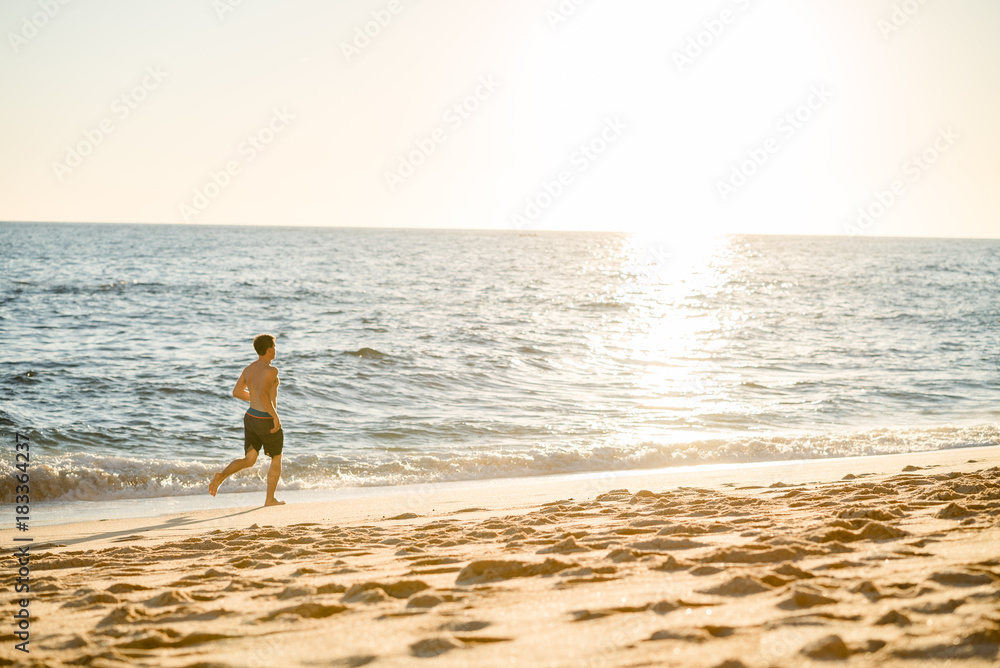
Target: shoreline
<point>527,487</point>
<point>87,486</point>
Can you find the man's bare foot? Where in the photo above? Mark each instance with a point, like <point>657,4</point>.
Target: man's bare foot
<point>213,486</point>
<point>273,502</point>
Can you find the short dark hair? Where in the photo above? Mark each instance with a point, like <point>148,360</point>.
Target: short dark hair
<point>262,343</point>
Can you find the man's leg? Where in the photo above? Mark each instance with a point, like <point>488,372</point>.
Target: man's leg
<point>236,465</point>
<point>273,473</point>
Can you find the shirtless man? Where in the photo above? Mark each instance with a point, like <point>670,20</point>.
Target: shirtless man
<point>258,384</point>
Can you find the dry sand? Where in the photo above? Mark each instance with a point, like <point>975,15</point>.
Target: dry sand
<point>888,561</point>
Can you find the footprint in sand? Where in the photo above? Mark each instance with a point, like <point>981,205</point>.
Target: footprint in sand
<point>75,641</point>
<point>351,661</point>
<point>243,563</point>
<point>424,601</point>
<point>981,644</point>
<point>867,512</point>
<point>48,561</point>
<point>52,586</point>
<point>465,627</point>
<point>127,539</point>
<point>624,555</point>
<point>793,572</point>
<point>752,555</point>
<point>614,495</point>
<point>331,588</point>
<point>586,615</point>
<point>368,597</point>
<point>938,607</point>
<point>719,631</point>
<point>960,579</point>
<point>839,565</point>
<point>803,598</point>
<point>588,570</point>
<point>893,617</point>
<point>871,530</point>
<point>169,598</point>
<point>191,614</point>
<point>480,572</point>
<point>671,564</point>
<point>867,589</point>
<point>292,592</point>
<point>371,592</point>
<point>125,614</point>
<point>306,611</point>
<point>434,571</point>
<point>430,647</point>
<point>211,574</point>
<point>166,639</point>
<point>833,648</point>
<point>633,531</point>
<point>671,634</point>
<point>743,585</point>
<point>93,600</point>
<point>666,544</point>
<point>564,547</point>
<point>424,561</point>
<point>472,640</point>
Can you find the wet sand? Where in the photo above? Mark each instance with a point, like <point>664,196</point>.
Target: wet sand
<point>888,561</point>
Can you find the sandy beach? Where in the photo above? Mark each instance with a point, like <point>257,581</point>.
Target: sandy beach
<point>889,560</point>
<point>542,334</point>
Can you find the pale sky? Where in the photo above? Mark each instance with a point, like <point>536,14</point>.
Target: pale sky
<point>364,131</point>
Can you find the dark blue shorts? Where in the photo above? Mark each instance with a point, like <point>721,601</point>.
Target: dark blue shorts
<point>257,433</point>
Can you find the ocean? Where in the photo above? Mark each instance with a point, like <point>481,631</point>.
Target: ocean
<point>414,356</point>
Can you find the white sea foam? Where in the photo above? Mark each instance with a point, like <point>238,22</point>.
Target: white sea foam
<point>88,477</point>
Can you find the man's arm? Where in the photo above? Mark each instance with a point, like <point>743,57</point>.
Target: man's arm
<point>241,391</point>
<point>272,399</point>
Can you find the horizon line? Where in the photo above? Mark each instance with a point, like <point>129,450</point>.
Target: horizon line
<point>480,229</point>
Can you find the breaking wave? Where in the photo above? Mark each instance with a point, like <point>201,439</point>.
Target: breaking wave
<point>89,477</point>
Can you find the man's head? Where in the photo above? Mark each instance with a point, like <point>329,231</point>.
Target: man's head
<point>263,343</point>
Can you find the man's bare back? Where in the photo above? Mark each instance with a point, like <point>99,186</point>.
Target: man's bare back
<point>261,385</point>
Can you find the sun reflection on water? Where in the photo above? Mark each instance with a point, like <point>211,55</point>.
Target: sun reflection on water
<point>673,337</point>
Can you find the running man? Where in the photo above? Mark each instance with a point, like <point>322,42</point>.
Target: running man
<point>258,384</point>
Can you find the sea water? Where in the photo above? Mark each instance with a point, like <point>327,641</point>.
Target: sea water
<point>412,356</point>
